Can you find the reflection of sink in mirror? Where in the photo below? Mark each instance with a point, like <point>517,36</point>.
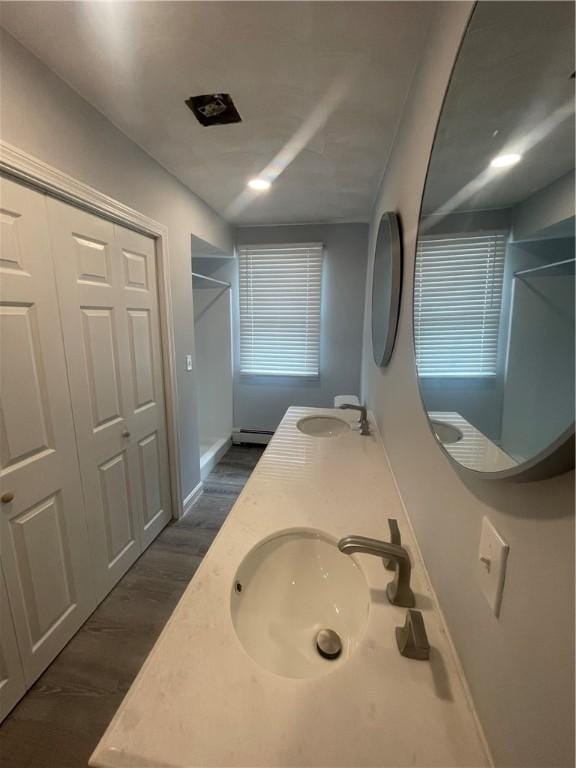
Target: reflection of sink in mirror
<point>467,444</point>
<point>446,433</point>
<point>288,589</point>
<point>323,426</point>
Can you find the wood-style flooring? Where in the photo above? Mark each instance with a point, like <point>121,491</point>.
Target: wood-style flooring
<point>60,720</point>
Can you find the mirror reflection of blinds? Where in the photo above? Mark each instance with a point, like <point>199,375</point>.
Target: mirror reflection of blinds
<point>280,291</point>
<point>457,303</point>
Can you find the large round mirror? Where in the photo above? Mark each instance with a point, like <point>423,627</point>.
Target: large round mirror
<point>386,288</point>
<point>494,273</point>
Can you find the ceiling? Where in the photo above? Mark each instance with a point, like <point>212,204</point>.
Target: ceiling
<point>511,92</point>
<point>320,87</point>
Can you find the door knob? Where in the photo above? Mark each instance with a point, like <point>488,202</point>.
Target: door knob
<point>6,498</point>
<point>125,433</point>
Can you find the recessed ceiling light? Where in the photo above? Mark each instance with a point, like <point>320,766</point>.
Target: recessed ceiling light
<point>259,184</point>
<point>505,161</point>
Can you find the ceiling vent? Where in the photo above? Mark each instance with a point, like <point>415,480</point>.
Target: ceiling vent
<point>214,109</point>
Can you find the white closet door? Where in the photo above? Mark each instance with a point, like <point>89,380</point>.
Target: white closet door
<point>95,339</point>
<point>106,283</point>
<point>43,544</point>
<point>146,415</point>
<point>12,684</point>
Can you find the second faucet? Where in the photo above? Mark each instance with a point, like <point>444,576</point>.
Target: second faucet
<point>364,424</point>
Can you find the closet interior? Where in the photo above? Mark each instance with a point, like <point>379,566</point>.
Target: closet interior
<point>213,275</point>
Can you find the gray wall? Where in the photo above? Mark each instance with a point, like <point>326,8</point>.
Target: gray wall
<point>260,402</point>
<point>548,212</point>
<point>539,385</point>
<point>41,115</point>
<point>520,667</point>
<point>478,399</point>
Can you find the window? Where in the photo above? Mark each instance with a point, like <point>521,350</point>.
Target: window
<point>457,302</point>
<point>280,287</point>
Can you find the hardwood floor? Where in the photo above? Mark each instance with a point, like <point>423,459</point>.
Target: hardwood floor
<point>60,720</point>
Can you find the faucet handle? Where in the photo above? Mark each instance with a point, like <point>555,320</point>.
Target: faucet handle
<point>395,538</point>
<point>412,639</point>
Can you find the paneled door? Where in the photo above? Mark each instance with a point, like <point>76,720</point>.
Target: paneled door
<point>43,533</point>
<point>106,279</point>
<point>12,683</point>
<point>146,416</point>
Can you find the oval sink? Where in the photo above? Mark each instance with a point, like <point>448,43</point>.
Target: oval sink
<point>446,433</point>
<point>323,426</point>
<point>288,589</point>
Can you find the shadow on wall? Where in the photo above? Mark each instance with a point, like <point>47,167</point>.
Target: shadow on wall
<point>549,500</point>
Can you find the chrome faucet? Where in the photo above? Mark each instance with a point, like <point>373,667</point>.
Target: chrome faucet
<point>364,425</point>
<point>398,590</point>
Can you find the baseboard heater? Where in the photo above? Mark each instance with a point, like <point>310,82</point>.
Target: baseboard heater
<point>260,436</point>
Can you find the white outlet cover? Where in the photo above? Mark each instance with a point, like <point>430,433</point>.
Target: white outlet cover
<point>491,566</point>
<point>188,362</point>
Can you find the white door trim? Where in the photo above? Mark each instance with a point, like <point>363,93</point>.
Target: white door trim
<point>20,165</point>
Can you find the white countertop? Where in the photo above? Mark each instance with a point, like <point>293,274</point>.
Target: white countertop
<point>200,700</point>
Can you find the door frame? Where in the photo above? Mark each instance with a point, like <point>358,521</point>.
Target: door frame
<point>26,168</point>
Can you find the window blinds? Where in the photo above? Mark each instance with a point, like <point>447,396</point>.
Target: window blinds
<point>457,303</point>
<point>280,291</point>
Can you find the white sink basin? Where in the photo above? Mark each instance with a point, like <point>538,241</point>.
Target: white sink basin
<point>288,589</point>
<point>323,426</point>
<point>446,433</point>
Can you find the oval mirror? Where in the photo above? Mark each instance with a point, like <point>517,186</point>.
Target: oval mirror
<point>386,288</point>
<point>494,272</point>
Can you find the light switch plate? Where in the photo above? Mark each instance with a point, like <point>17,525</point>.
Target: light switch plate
<point>188,362</point>
<point>491,567</point>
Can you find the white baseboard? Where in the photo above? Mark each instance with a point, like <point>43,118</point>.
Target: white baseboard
<point>191,499</point>
<point>210,458</point>
<point>251,436</point>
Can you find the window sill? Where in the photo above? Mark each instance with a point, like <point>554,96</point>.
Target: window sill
<point>279,377</point>
<point>482,376</point>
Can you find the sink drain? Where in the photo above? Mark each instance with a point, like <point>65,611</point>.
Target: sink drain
<point>328,644</point>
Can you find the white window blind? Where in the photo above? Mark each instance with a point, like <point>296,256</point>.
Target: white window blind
<point>280,290</point>
<point>457,303</point>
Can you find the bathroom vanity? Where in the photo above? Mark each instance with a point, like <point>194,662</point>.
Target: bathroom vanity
<point>225,686</point>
